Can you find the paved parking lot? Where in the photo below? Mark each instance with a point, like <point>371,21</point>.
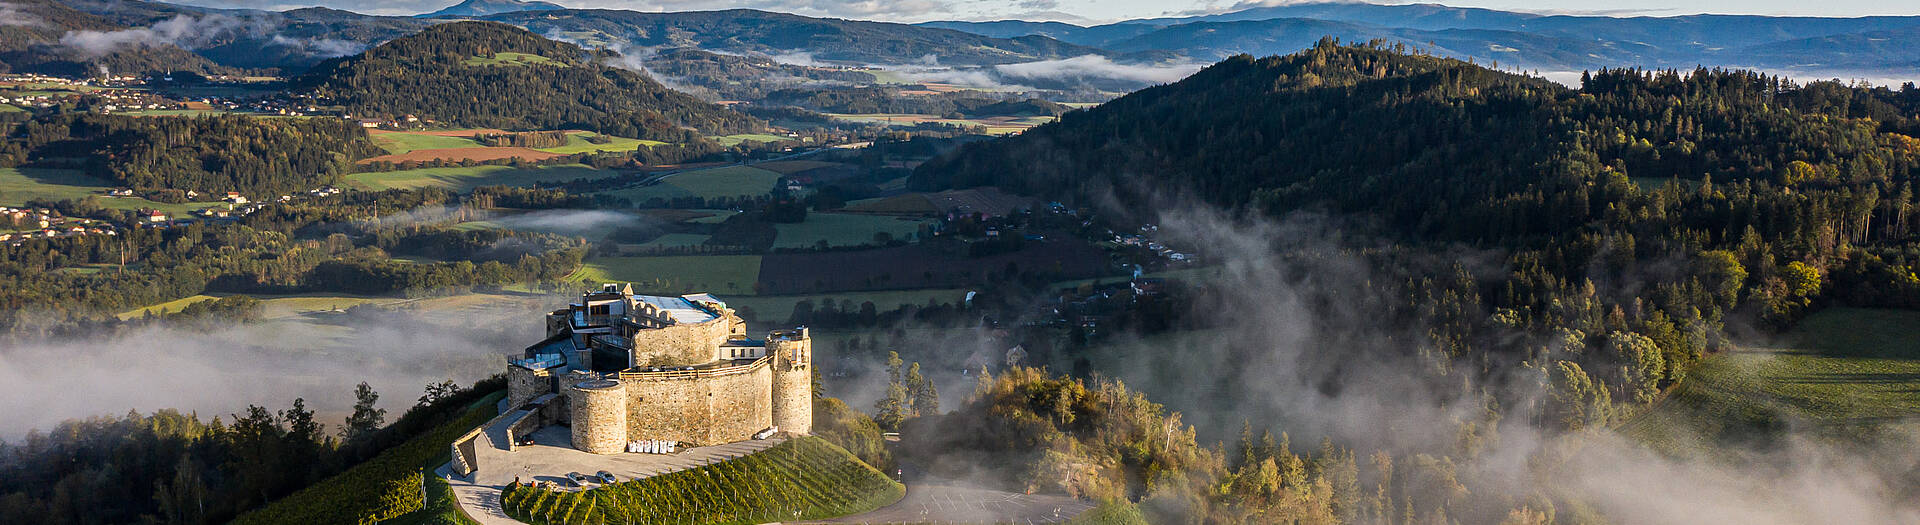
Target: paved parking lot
<point>552,456</point>
<point>937,502</point>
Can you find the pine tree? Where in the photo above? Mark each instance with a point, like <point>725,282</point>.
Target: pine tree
<point>366,418</point>
<point>892,410</point>
<point>925,400</point>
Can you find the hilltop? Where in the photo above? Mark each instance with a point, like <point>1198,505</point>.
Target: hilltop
<point>773,34</point>
<point>478,8</point>
<point>491,75</point>
<point>1749,200</point>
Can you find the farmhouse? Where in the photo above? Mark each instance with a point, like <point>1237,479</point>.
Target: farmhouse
<point>625,370</point>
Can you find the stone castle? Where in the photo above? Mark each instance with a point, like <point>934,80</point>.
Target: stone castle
<point>622,367</point>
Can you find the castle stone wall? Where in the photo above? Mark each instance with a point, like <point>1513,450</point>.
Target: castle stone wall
<point>681,344</point>
<point>599,416</point>
<point>792,400</point>
<point>523,385</point>
<point>706,408</point>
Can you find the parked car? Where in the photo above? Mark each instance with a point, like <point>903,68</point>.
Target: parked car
<point>578,479</point>
<point>607,477</point>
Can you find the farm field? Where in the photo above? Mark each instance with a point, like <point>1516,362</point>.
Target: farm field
<point>181,113</point>
<point>734,140</point>
<point>779,308</point>
<point>994,125</point>
<point>577,143</point>
<point>723,182</point>
<point>843,230</point>
<point>674,240</point>
<point>921,266</point>
<point>1844,374</point>
<point>19,185</point>
<point>398,143</point>
<point>466,179</point>
<point>789,167</point>
<point>476,154</point>
<point>908,204</point>
<point>723,275</point>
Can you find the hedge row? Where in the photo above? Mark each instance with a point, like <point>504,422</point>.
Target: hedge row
<point>801,479</point>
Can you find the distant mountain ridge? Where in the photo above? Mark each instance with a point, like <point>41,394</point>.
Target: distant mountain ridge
<point>479,8</point>
<point>802,38</point>
<point>1880,44</point>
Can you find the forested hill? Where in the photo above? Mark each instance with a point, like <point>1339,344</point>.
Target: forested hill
<point>30,41</point>
<point>1443,148</point>
<point>1640,213</point>
<point>491,75</point>
<point>749,31</point>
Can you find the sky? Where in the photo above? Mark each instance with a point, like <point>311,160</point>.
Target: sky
<point>1102,11</point>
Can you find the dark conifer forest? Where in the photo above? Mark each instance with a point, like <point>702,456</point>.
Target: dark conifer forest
<point>1736,198</point>
<point>452,74</point>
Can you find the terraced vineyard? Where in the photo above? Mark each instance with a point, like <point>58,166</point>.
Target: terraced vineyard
<point>801,479</point>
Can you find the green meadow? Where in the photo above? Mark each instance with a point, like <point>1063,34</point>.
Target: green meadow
<point>843,230</point>
<point>468,178</point>
<point>1844,373</point>
<point>400,143</point>
<point>578,143</point>
<point>729,181</point>
<point>19,185</point>
<point>723,275</point>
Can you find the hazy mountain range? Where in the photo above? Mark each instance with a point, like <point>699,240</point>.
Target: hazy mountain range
<point>476,8</point>
<point>1878,46</point>
<point>73,35</point>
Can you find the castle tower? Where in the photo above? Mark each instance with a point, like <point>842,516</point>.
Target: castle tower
<point>599,410</point>
<point>792,353</point>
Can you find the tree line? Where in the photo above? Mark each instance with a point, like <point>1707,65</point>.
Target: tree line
<point>254,156</point>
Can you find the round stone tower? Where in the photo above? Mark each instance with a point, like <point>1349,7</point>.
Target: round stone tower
<point>792,353</point>
<point>599,410</point>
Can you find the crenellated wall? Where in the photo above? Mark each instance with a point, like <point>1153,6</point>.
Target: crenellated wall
<point>706,407</point>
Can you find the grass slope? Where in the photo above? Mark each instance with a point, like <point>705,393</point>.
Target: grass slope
<point>779,308</point>
<point>466,179</point>
<point>391,485</point>
<point>729,181</point>
<point>401,143</point>
<point>724,274</point>
<point>804,478</point>
<point>1844,373</point>
<point>577,143</point>
<point>19,185</point>
<point>842,230</point>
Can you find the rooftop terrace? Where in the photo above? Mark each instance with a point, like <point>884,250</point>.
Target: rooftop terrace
<point>680,309</point>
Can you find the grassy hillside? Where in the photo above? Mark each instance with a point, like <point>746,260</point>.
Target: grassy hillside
<point>805,478</point>
<point>724,274</point>
<point>715,183</point>
<point>468,178</point>
<point>391,485</point>
<point>1844,374</point>
<point>19,185</point>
